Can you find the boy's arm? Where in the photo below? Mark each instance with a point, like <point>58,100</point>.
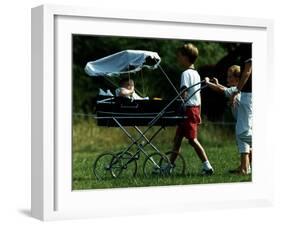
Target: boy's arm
<point>215,86</point>
<point>184,94</point>
<point>245,75</point>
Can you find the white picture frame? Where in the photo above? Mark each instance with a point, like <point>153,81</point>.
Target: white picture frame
<point>52,197</point>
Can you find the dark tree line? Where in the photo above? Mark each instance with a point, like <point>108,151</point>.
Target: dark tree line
<point>214,59</point>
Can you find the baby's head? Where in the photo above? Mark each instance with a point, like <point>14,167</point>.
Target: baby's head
<point>233,75</point>
<point>187,52</point>
<point>127,83</point>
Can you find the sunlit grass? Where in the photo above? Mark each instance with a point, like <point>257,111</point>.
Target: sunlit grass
<point>90,140</point>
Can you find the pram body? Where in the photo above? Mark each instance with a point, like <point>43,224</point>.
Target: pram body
<point>122,112</point>
<point>137,112</point>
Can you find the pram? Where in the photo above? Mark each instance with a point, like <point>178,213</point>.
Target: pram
<point>122,112</point>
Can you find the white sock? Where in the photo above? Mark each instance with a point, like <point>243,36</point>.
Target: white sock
<point>207,165</point>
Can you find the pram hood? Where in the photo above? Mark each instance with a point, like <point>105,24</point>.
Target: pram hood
<point>127,61</point>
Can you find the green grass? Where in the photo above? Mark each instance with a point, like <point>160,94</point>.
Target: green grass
<point>89,141</point>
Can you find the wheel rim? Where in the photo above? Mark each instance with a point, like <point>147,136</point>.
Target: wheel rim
<point>102,167</point>
<point>179,166</point>
<point>127,165</point>
<point>152,165</point>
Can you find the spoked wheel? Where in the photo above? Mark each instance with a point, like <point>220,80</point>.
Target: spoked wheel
<point>178,168</point>
<point>104,167</point>
<point>156,164</point>
<point>127,164</point>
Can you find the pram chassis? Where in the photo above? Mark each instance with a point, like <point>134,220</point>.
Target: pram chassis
<point>160,164</point>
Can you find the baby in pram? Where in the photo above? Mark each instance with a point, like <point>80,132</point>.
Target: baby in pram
<point>127,89</point>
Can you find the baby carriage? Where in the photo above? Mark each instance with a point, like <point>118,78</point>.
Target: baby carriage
<point>112,111</point>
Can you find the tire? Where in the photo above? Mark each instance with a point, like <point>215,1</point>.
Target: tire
<point>152,165</point>
<point>103,166</point>
<point>179,166</point>
<point>128,165</point>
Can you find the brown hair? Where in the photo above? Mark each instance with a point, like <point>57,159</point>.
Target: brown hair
<point>235,71</point>
<point>189,50</point>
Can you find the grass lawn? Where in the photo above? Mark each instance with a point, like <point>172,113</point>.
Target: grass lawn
<point>89,141</point>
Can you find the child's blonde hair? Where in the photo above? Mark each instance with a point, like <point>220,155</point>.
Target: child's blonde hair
<point>235,71</point>
<point>189,50</point>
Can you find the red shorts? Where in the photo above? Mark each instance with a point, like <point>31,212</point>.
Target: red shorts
<point>189,127</point>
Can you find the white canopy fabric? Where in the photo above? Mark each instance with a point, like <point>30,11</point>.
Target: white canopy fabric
<point>127,61</point>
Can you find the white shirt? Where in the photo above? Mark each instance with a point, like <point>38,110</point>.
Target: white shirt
<point>188,78</point>
<point>228,92</point>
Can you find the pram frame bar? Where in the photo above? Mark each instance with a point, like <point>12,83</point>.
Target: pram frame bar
<point>135,141</point>
<point>140,147</point>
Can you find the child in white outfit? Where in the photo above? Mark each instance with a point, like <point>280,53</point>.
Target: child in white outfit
<point>233,77</point>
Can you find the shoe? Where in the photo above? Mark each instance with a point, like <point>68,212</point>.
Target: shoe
<point>207,172</point>
<point>167,168</point>
<point>156,170</point>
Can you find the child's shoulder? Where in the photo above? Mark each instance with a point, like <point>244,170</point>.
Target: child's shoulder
<point>191,72</point>
<point>230,91</point>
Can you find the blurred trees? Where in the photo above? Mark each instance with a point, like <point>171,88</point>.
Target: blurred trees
<point>214,59</point>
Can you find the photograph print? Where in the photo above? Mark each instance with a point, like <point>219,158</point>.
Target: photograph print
<point>159,112</point>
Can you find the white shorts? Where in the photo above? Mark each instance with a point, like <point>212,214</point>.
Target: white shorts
<point>245,119</point>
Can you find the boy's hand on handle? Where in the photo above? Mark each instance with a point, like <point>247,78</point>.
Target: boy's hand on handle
<point>212,80</point>
<point>207,80</point>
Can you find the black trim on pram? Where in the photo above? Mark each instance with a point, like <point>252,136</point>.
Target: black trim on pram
<point>141,112</point>
<point>137,112</point>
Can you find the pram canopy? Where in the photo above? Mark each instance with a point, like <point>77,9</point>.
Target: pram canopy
<point>127,61</point>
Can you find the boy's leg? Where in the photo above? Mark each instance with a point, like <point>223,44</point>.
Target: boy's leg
<point>191,134</point>
<point>207,168</point>
<point>176,147</point>
<point>198,149</point>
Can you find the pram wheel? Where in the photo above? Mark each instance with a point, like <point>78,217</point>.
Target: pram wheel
<point>127,164</point>
<point>104,166</point>
<point>156,164</point>
<point>179,166</point>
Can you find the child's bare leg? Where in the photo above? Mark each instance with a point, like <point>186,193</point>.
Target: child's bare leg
<point>199,149</point>
<point>207,168</point>
<point>176,148</point>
